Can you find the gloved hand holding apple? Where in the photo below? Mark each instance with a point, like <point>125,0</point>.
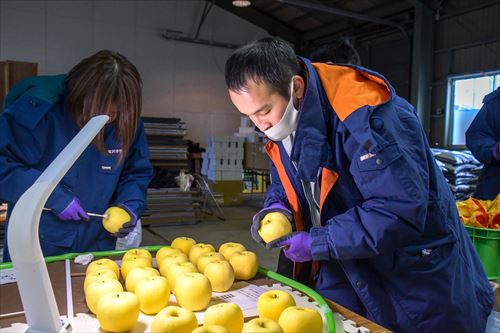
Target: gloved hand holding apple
<point>73,211</point>
<point>296,246</point>
<point>271,223</point>
<point>119,220</point>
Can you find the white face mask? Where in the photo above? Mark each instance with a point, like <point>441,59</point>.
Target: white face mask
<point>288,122</point>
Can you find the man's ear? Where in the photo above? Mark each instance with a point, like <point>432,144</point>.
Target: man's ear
<point>298,87</point>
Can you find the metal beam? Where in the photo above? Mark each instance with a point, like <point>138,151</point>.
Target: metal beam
<point>342,12</point>
<point>422,63</point>
<point>266,22</point>
<point>171,36</point>
<point>341,27</point>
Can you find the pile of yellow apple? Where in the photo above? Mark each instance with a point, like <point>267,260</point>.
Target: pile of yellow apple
<point>191,271</point>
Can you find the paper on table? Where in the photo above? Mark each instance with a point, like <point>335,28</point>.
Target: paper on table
<point>242,293</point>
<point>7,276</point>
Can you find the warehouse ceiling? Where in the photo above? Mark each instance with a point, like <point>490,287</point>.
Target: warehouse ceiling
<point>310,22</point>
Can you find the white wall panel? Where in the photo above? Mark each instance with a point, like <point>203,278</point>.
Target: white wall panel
<point>180,79</point>
<point>22,35</point>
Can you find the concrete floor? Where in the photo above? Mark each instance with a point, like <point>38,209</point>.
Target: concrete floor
<point>236,228</point>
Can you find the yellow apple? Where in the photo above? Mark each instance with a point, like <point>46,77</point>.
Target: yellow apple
<point>197,250</point>
<point>220,274</point>
<point>98,274</point>
<point>193,291</point>
<point>228,315</point>
<point>273,302</point>
<point>227,249</point>
<point>262,325</point>
<point>137,274</point>
<point>177,258</point>
<point>99,288</point>
<point>153,293</point>
<point>138,253</point>
<point>163,252</point>
<point>174,270</point>
<point>183,243</point>
<point>245,265</point>
<point>115,218</point>
<point>299,319</point>
<point>174,319</point>
<point>211,329</point>
<point>273,226</point>
<point>132,262</point>
<point>207,258</point>
<point>104,263</point>
<point>118,311</point>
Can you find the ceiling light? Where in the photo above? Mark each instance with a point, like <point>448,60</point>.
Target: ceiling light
<point>241,3</point>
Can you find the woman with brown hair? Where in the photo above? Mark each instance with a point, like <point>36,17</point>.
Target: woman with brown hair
<point>42,115</point>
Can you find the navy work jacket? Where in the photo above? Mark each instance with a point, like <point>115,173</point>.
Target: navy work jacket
<point>391,245</point>
<point>34,129</point>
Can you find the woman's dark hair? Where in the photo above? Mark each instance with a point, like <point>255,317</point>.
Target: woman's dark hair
<point>99,83</point>
<point>267,60</point>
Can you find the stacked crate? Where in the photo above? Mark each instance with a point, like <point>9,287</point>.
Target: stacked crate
<point>223,159</point>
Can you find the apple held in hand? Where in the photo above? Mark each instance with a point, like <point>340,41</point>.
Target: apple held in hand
<point>97,275</point>
<point>211,329</point>
<point>99,288</point>
<point>245,265</point>
<point>115,218</point>
<point>262,325</point>
<point>193,291</point>
<point>273,226</point>
<point>153,293</point>
<point>183,243</point>
<point>118,311</point>
<point>137,274</point>
<point>138,253</point>
<point>104,263</point>
<point>228,315</point>
<point>175,258</point>
<point>163,252</point>
<point>299,319</point>
<point>207,258</point>
<point>227,249</point>
<point>175,270</point>
<point>197,250</point>
<point>174,319</point>
<point>220,274</point>
<point>273,302</point>
<point>132,262</point>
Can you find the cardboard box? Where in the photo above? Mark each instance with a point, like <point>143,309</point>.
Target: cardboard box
<point>232,190</point>
<point>256,157</point>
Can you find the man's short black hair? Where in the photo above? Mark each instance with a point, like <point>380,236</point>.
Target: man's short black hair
<point>267,60</point>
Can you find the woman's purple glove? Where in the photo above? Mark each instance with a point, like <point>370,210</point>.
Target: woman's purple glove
<point>257,218</point>
<point>73,211</point>
<point>128,226</point>
<point>296,246</point>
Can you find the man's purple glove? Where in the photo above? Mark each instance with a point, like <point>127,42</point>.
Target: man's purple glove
<point>128,226</point>
<point>257,218</point>
<point>296,246</point>
<point>73,211</point>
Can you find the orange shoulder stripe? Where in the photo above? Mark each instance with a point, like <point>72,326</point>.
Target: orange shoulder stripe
<point>348,89</point>
<point>274,153</point>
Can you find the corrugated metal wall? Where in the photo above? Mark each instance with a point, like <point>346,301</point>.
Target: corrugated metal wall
<point>466,40</point>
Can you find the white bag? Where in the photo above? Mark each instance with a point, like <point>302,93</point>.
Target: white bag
<point>132,240</point>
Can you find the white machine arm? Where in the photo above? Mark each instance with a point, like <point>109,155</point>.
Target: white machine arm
<point>33,280</point>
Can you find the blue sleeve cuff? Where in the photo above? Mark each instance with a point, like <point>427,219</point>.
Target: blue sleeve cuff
<point>320,248</point>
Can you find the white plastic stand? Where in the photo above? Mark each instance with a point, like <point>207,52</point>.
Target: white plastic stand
<point>33,280</point>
